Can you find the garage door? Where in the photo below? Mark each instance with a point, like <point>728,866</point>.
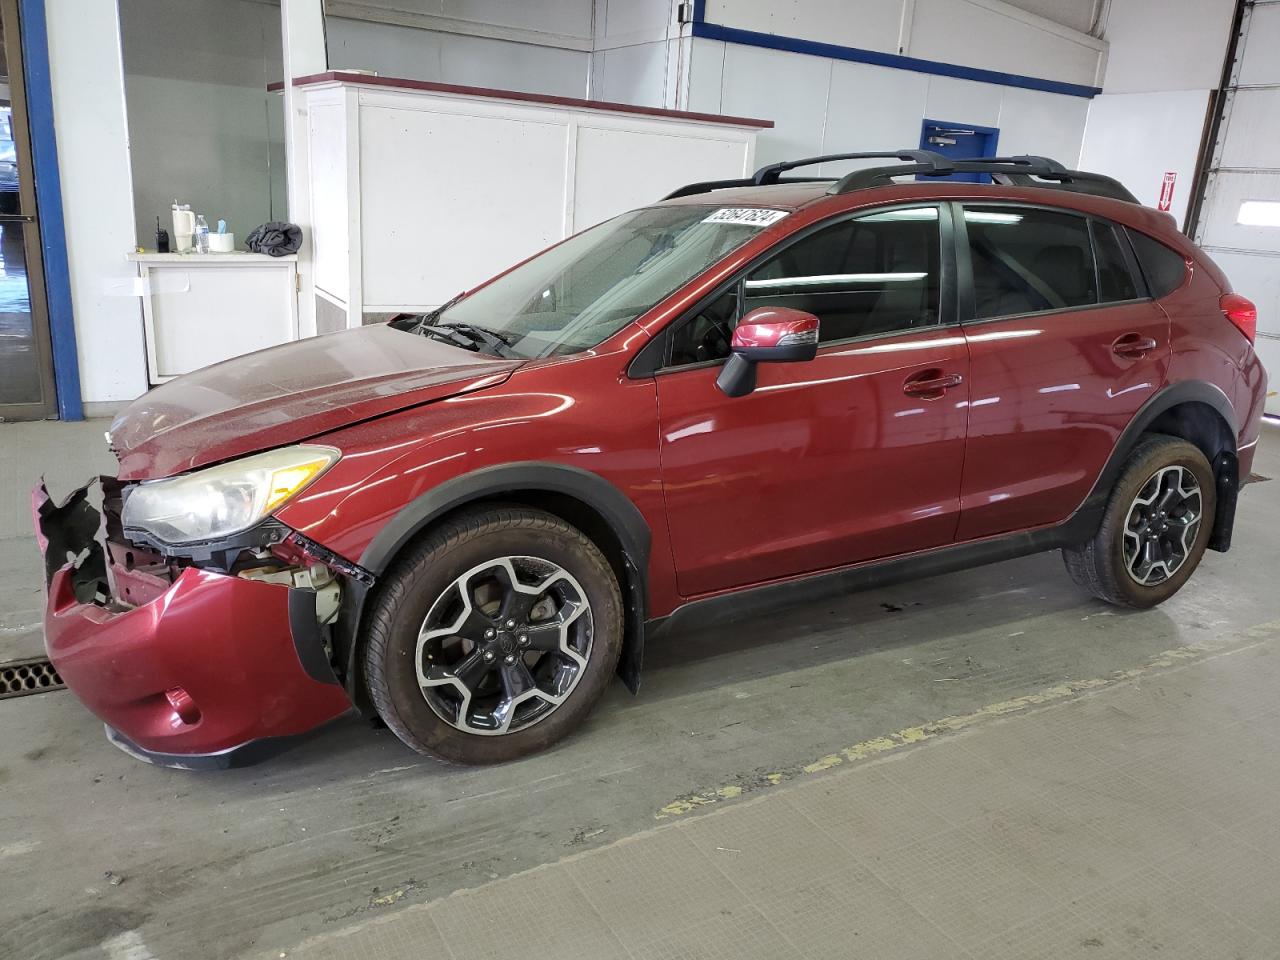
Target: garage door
<point>1239,222</point>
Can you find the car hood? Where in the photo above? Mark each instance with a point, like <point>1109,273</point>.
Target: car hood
<point>290,393</point>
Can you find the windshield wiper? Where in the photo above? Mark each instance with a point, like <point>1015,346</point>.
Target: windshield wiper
<point>475,336</point>
<point>431,316</point>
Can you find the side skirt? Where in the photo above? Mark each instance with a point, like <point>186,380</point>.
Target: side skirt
<point>878,573</point>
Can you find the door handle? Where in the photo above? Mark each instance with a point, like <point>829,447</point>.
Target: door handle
<point>1133,345</point>
<point>931,384</point>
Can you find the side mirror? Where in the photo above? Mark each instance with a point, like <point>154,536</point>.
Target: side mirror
<point>767,335</point>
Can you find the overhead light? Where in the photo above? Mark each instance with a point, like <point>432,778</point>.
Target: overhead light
<point>988,216</point>
<point>1259,213</point>
<point>910,213</point>
<point>834,278</point>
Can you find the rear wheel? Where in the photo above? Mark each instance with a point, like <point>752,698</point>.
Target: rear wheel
<point>494,636</point>
<point>1155,528</point>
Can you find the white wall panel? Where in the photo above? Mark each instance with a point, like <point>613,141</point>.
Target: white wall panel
<point>973,34</point>
<point>705,82</point>
<point>425,226</point>
<point>621,18</point>
<point>1166,44</point>
<point>788,89</point>
<point>416,54</point>
<point>1045,124</point>
<point>603,185</point>
<point>565,17</point>
<point>868,24</point>
<point>963,101</point>
<point>1137,137</point>
<point>635,74</point>
<point>871,108</point>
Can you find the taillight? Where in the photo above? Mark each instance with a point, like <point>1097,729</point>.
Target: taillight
<point>1241,311</point>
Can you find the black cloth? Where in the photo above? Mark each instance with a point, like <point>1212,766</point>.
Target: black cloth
<point>275,239</point>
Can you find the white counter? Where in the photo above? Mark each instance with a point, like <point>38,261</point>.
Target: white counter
<point>198,309</point>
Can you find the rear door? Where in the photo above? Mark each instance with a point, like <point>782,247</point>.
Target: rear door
<point>1065,346</point>
<point>848,457</point>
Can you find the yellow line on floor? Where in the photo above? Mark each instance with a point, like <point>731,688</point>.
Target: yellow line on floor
<point>1191,653</point>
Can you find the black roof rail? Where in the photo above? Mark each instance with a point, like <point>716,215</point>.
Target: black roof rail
<point>772,173</point>
<point>1022,171</point>
<point>1025,171</point>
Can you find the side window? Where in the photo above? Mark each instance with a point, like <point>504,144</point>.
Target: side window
<point>1027,260</point>
<point>1164,269</point>
<point>1115,282</point>
<point>873,274</point>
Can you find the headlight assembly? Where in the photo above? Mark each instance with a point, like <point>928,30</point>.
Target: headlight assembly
<point>223,500</point>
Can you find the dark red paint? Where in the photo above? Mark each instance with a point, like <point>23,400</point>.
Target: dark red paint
<point>212,648</point>
<point>876,448</point>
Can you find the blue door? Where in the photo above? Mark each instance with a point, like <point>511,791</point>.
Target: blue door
<point>960,141</point>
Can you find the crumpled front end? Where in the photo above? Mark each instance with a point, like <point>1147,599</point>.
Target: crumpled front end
<point>188,665</point>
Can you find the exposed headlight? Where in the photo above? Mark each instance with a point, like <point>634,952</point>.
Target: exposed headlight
<point>226,499</point>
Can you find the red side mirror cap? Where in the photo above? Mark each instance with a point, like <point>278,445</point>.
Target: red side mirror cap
<point>776,335</point>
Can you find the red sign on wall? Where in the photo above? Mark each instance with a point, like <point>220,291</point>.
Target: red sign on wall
<point>1166,191</point>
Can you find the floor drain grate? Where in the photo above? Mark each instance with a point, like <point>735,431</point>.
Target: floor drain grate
<point>21,677</point>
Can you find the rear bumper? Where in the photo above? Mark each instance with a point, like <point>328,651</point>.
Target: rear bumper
<point>210,671</point>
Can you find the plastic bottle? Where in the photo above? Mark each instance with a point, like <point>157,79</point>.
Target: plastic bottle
<point>202,234</point>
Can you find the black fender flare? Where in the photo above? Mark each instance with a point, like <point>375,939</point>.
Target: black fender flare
<point>488,483</point>
<point>1084,522</point>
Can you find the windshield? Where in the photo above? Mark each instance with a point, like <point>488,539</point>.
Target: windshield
<point>580,293</point>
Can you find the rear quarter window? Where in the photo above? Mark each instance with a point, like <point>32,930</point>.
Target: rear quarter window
<point>1165,269</point>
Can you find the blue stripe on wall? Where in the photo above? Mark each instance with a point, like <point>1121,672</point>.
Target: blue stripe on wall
<point>48,186</point>
<point>713,31</point>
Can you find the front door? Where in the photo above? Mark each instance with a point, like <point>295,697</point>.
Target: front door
<point>1065,348</point>
<point>26,365</point>
<point>849,457</point>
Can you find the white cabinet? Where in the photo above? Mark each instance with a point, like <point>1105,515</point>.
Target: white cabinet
<point>419,190</point>
<point>198,309</point>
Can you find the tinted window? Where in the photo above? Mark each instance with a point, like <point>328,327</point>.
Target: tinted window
<point>1115,282</point>
<point>1164,269</point>
<point>1025,261</point>
<point>874,274</point>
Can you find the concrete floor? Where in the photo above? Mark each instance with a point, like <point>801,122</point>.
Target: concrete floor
<point>984,764</point>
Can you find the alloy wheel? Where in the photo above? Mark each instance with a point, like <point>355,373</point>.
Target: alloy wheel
<point>504,645</point>
<point>1161,525</point>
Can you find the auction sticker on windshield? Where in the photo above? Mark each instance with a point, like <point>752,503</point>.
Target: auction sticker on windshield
<point>747,216</point>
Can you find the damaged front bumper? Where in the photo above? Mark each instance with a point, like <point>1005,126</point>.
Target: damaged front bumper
<point>186,666</point>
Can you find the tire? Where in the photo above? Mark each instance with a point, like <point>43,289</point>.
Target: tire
<point>570,655</point>
<point>1101,565</point>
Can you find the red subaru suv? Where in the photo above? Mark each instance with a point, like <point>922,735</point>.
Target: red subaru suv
<point>466,521</point>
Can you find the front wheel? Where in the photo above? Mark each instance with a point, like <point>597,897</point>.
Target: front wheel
<point>494,636</point>
<point>1155,529</point>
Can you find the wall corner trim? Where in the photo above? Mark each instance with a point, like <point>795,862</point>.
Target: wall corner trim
<point>48,188</point>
